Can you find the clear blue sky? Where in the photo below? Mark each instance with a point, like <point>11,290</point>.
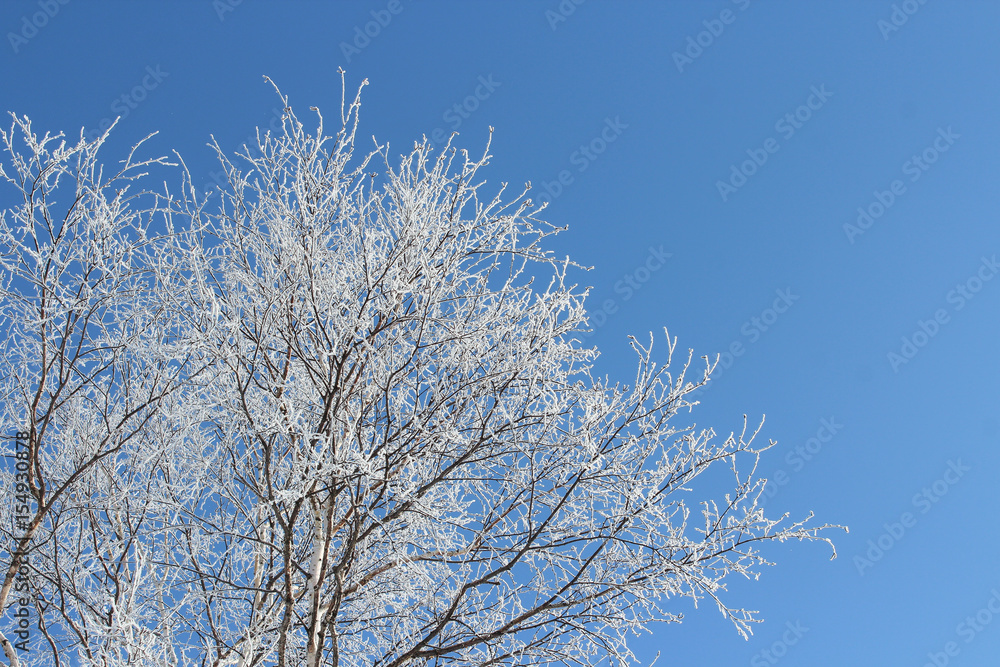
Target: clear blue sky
<point>841,111</point>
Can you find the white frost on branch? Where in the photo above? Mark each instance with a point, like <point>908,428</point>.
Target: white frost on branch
<point>332,418</point>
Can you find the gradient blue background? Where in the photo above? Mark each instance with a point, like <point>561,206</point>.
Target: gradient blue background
<point>826,357</point>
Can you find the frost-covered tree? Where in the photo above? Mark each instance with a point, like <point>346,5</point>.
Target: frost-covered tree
<point>330,417</point>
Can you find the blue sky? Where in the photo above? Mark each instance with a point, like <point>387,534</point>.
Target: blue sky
<point>740,138</point>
